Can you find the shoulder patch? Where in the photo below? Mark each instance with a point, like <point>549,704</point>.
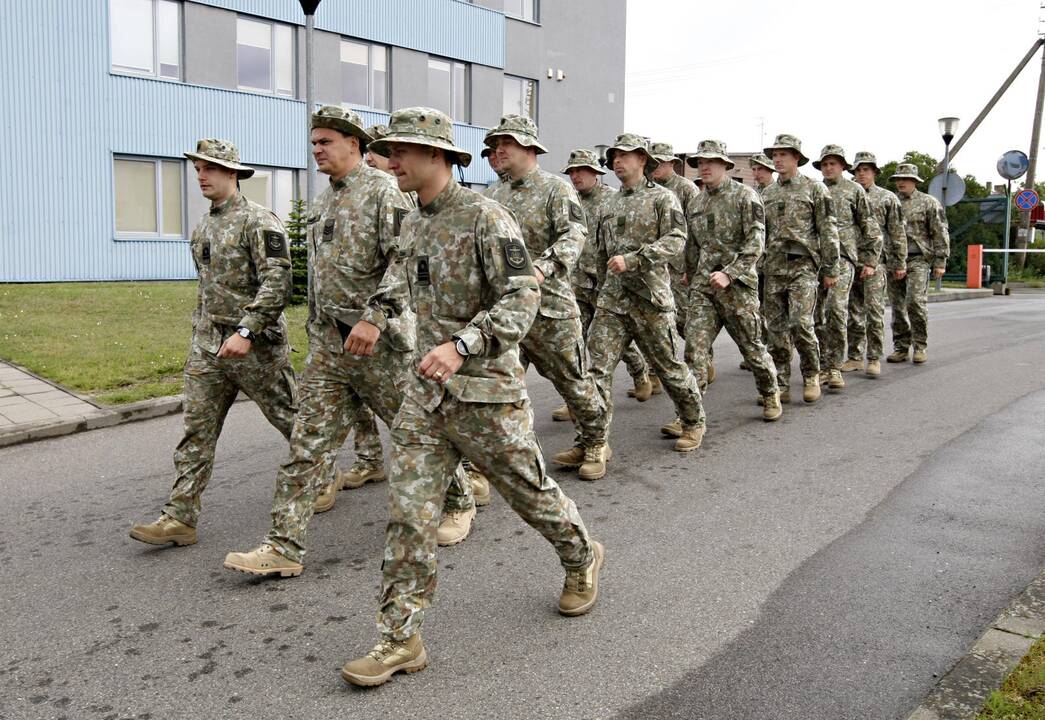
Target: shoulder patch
<point>516,257</point>
<point>397,226</point>
<point>678,219</point>
<point>276,245</point>
<point>576,213</point>
<point>758,212</point>
<point>829,207</point>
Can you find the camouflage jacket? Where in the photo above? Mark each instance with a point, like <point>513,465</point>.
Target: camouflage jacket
<point>727,233</point>
<point>553,227</point>
<point>243,262</point>
<point>859,237</point>
<point>799,221</point>
<point>353,235</point>
<point>888,212</point>
<point>645,225</point>
<point>586,274</point>
<point>464,270</point>
<point>926,224</point>
<point>687,193</point>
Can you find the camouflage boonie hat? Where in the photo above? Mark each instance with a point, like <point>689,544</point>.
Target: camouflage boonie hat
<point>486,152</point>
<point>342,120</point>
<point>664,152</point>
<point>865,158</point>
<point>521,129</point>
<point>761,159</point>
<point>906,170</point>
<point>710,150</point>
<point>787,142</point>
<point>830,150</point>
<point>377,131</point>
<point>582,158</point>
<point>422,126</point>
<point>220,152</point>
<point>629,142</point>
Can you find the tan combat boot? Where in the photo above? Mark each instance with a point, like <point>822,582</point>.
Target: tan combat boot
<point>658,387</point>
<point>325,499</point>
<point>835,381</point>
<point>359,475</point>
<point>898,356</point>
<point>771,409</point>
<point>454,527</point>
<point>480,486</point>
<point>711,372</point>
<point>811,389</point>
<point>581,588</point>
<point>164,530</point>
<point>639,381</point>
<point>785,391</point>
<point>643,390</point>
<point>690,439</point>
<point>387,658</point>
<point>920,356</point>
<point>852,365</point>
<point>874,368</point>
<point>263,560</point>
<point>574,457</point>
<point>594,467</point>
<point>824,376</point>
<point>673,428</point>
<point>561,414</point>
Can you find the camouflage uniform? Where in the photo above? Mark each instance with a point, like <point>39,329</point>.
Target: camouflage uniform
<point>353,235</point>
<point>867,298</point>
<point>553,226</point>
<point>726,234</point>
<point>687,193</point>
<point>586,274</point>
<point>860,244</point>
<point>761,159</point>
<point>645,225</point>
<point>470,278</point>
<point>241,256</point>
<point>928,246</point>
<point>801,242</point>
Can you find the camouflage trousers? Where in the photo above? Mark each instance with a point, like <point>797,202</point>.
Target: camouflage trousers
<point>499,440</point>
<point>679,291</point>
<point>736,309</point>
<point>832,317</point>
<point>909,298</point>
<point>654,331</point>
<point>556,348</point>
<point>367,438</point>
<point>867,316</point>
<point>211,386</point>
<point>790,305</point>
<point>633,360</point>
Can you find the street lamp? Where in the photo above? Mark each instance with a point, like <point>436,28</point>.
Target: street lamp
<point>309,8</point>
<point>600,150</point>
<point>948,129</point>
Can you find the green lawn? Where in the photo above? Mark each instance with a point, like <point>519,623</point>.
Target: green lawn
<point>117,342</point>
<point>1022,695</point>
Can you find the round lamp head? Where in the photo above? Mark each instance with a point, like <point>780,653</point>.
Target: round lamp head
<point>948,128</point>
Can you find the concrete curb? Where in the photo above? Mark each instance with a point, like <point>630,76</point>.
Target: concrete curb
<point>960,694</point>
<point>108,418</point>
<point>949,295</point>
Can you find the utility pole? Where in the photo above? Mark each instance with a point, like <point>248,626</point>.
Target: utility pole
<point>1032,157</point>
<point>309,8</point>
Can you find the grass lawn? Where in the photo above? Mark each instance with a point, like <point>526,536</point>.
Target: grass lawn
<point>118,342</point>
<point>1022,695</point>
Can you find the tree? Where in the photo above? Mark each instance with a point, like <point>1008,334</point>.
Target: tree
<point>297,233</point>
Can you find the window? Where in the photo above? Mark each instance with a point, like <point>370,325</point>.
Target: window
<point>265,56</point>
<point>271,187</point>
<point>520,96</point>
<point>148,197</point>
<point>521,9</point>
<point>448,88</point>
<point>364,75</point>
<point>145,36</point>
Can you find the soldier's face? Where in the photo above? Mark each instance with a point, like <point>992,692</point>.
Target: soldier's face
<point>583,179</point>
<point>712,171</point>
<point>864,175</point>
<point>628,166</point>
<point>216,182</point>
<point>906,185</point>
<point>762,175</point>
<point>413,165</point>
<point>831,168</point>
<point>664,170</point>
<point>333,151</point>
<point>510,154</point>
<point>494,163</point>
<point>785,161</point>
<point>378,162</point>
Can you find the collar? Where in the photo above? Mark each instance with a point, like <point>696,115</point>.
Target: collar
<point>224,207</point>
<point>443,199</point>
<point>721,186</point>
<point>527,179</point>
<point>349,176</point>
<point>829,183</point>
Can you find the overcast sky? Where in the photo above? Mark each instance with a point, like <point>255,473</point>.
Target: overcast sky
<point>871,75</point>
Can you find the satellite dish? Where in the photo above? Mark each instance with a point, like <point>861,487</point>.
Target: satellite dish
<point>955,188</point>
<point>1012,165</point>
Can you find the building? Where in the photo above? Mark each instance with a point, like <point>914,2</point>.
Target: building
<point>741,171</point>
<point>100,98</point>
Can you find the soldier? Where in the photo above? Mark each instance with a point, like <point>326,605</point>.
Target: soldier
<point>490,154</point>
<point>801,242</point>
<point>860,244</point>
<point>473,288</point>
<point>928,246</point>
<point>667,175</point>
<point>867,298</point>
<point>239,334</point>
<point>584,172</point>
<point>549,213</point>
<point>378,162</point>
<point>762,170</point>
<point>726,237</point>
<point>639,232</point>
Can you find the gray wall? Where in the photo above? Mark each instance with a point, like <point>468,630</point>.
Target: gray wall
<point>326,54</point>
<point>487,95</point>
<point>409,78</point>
<point>210,46</point>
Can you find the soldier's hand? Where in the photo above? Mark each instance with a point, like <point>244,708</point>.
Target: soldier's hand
<point>866,272</point>
<point>938,273</point>
<point>617,265</point>
<point>899,274</point>
<point>362,339</point>
<point>441,362</point>
<point>830,282</point>
<point>719,280</point>
<point>539,274</point>
<point>236,346</point>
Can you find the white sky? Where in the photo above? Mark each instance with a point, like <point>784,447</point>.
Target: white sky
<point>698,69</point>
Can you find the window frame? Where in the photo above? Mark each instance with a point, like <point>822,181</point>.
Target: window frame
<point>536,93</point>
<point>272,89</point>
<point>155,72</point>
<point>295,190</point>
<point>370,49</point>
<point>535,20</point>
<point>159,235</point>
<point>454,64</point>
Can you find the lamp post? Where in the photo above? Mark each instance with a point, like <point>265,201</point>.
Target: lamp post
<point>309,8</point>
<point>948,128</point>
<point>600,150</point>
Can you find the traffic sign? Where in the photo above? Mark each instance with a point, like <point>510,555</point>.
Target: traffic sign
<point>1027,200</point>
<point>955,188</point>
<point>1013,165</point>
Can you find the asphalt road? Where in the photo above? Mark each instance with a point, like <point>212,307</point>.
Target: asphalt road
<point>831,565</point>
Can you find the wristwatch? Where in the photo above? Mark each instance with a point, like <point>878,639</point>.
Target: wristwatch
<point>462,349</point>
<point>245,333</point>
